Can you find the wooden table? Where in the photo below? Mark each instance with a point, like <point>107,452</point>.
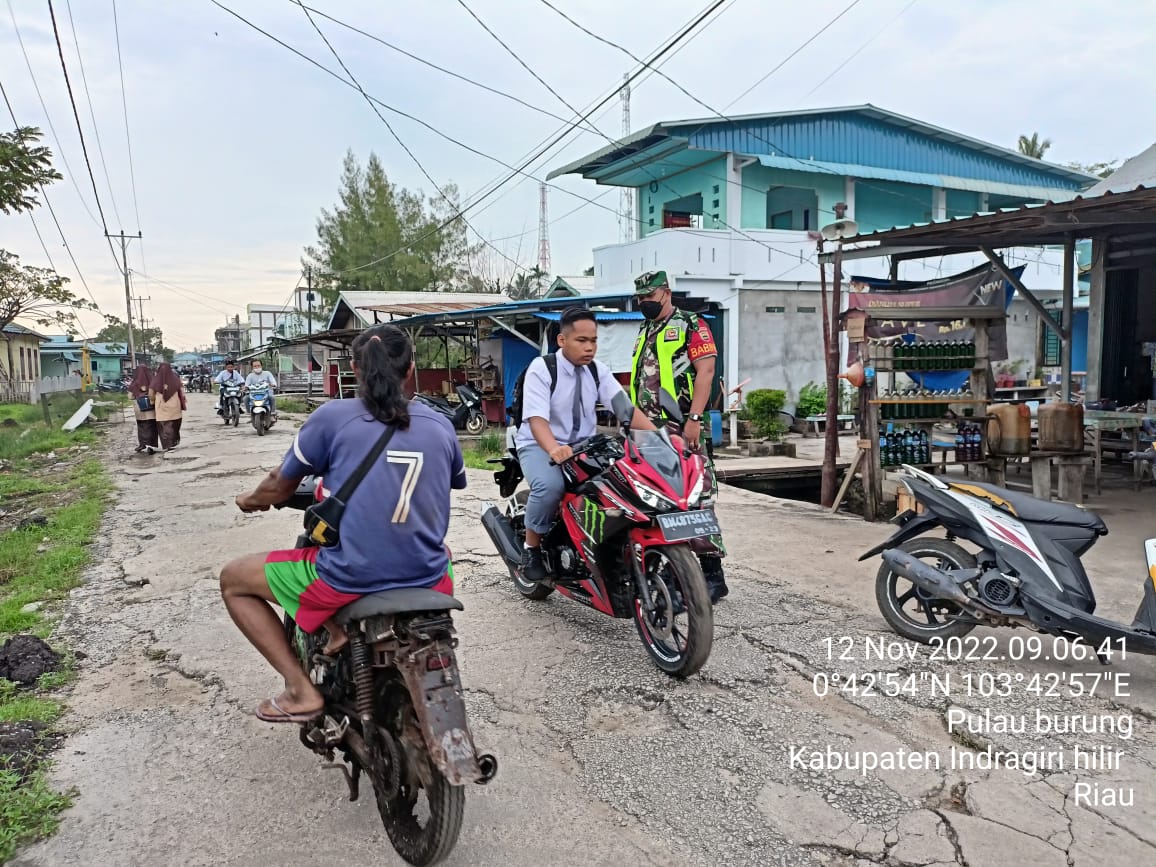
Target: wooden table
<point>1072,468</point>
<point>813,421</point>
<point>1097,421</point>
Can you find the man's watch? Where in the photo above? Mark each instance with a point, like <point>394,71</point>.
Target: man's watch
<point>694,416</point>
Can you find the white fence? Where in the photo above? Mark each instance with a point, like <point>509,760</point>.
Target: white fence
<point>29,390</point>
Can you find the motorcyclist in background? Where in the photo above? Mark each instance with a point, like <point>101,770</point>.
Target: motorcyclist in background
<point>257,378</point>
<point>228,376</point>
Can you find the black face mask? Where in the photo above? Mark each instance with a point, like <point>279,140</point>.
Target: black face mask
<point>650,309</point>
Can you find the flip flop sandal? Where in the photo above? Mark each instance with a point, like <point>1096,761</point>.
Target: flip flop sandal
<point>283,716</point>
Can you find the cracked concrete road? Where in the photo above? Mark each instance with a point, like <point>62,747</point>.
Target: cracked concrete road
<point>604,760</point>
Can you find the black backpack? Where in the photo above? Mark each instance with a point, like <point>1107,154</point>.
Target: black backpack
<point>515,411</point>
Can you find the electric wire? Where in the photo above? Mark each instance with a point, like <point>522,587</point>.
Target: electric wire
<point>431,64</point>
<point>127,132</point>
<point>398,139</point>
<point>80,132</point>
<point>48,117</point>
<point>788,58</point>
<point>632,163</point>
<point>491,188</point>
<point>858,51</point>
<point>521,62</point>
<point>47,204</point>
<point>92,111</point>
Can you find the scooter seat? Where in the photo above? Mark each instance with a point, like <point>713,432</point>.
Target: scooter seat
<point>404,600</point>
<point>1032,511</point>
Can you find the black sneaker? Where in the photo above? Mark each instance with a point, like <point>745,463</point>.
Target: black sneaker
<point>715,582</point>
<point>532,565</point>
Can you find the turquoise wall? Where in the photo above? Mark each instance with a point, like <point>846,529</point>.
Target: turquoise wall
<point>758,180</point>
<point>962,203</point>
<point>707,180</point>
<point>106,368</point>
<point>884,204</point>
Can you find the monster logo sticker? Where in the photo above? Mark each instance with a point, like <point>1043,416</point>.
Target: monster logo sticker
<point>592,520</point>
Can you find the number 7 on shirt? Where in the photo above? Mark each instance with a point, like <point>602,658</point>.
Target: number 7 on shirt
<point>413,462</point>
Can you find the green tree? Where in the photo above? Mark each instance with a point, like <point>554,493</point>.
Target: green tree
<point>1100,170</point>
<point>35,295</point>
<point>1033,147</point>
<point>149,340</point>
<point>24,167</point>
<point>383,237</point>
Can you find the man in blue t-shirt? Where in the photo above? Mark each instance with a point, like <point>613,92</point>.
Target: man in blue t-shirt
<point>392,533</point>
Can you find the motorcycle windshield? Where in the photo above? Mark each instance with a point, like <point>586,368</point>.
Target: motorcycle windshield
<point>657,450</point>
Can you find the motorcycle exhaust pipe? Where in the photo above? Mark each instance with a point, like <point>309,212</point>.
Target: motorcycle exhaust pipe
<point>502,535</point>
<point>925,577</point>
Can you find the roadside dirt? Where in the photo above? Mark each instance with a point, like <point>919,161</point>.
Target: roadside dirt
<point>604,760</point>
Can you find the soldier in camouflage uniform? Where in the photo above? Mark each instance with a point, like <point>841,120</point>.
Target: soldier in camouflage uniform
<point>676,353</point>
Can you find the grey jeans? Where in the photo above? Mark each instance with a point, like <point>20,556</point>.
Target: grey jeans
<point>546,487</point>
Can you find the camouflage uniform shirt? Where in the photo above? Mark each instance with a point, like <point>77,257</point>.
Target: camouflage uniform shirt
<point>647,380</point>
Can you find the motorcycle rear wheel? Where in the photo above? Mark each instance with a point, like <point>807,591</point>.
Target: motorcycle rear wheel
<point>930,619</point>
<point>532,590</point>
<point>687,648</point>
<point>418,843</point>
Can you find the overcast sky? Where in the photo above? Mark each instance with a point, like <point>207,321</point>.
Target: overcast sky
<point>237,143</point>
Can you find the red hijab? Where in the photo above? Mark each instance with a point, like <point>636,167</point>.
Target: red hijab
<point>165,382</point>
<point>140,380</point>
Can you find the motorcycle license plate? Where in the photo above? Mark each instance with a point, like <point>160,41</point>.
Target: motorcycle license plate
<point>689,525</point>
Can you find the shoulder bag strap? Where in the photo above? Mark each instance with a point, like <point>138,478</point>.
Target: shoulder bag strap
<point>363,468</point>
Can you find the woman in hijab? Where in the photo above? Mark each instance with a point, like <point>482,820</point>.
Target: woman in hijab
<point>168,396</point>
<point>142,405</point>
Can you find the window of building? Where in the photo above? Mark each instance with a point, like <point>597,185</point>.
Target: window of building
<point>714,204</point>
<point>805,309</point>
<point>792,208</point>
<point>776,309</point>
<point>716,190</point>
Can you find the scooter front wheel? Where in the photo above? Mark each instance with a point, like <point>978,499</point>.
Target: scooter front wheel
<point>475,424</point>
<point>914,613</point>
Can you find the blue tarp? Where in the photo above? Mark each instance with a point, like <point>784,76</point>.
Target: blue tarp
<point>516,357</point>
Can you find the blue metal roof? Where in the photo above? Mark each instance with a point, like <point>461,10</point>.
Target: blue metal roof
<point>599,316</point>
<point>854,136</point>
<point>529,306</point>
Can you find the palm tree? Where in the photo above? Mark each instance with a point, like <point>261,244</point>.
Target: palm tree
<point>1033,147</point>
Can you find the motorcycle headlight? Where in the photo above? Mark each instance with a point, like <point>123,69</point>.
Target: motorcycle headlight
<point>653,498</point>
<point>696,491</point>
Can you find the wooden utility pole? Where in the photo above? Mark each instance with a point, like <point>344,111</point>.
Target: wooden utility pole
<point>124,239</point>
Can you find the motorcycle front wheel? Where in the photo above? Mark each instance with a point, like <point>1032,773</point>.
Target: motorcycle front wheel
<point>475,424</point>
<point>422,813</point>
<point>679,632</point>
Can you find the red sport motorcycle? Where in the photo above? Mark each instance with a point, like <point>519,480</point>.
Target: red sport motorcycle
<point>635,515</point>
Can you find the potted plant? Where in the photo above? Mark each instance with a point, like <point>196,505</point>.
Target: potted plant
<point>763,408</point>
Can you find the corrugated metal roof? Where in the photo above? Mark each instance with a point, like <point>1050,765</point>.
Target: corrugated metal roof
<point>599,316</point>
<point>1036,224</point>
<point>860,135</point>
<point>1139,171</point>
<point>14,328</point>
<point>418,309</point>
<point>922,178</point>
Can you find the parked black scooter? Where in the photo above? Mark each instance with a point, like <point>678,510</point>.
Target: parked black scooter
<point>467,415</point>
<point>1027,572</point>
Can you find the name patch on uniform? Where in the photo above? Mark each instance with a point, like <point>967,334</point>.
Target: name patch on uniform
<point>702,350</point>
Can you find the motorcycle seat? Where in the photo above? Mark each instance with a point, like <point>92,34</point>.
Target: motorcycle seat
<point>404,600</point>
<point>1032,511</point>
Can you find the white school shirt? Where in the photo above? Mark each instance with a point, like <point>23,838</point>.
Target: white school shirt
<point>558,408</point>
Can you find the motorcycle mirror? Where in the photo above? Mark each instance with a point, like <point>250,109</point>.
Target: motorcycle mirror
<point>669,406</point>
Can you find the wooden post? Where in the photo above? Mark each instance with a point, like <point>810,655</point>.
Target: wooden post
<point>850,477</point>
<point>44,405</point>
<point>1066,322</point>
<point>872,472</point>
<point>1096,321</point>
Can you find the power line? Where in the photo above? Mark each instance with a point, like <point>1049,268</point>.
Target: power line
<point>91,109</point>
<point>788,58</point>
<point>127,133</point>
<point>48,117</point>
<point>626,85</point>
<point>433,65</point>
<point>859,50</point>
<point>48,204</point>
<point>521,62</point>
<point>80,131</point>
<point>489,189</point>
<point>397,138</point>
